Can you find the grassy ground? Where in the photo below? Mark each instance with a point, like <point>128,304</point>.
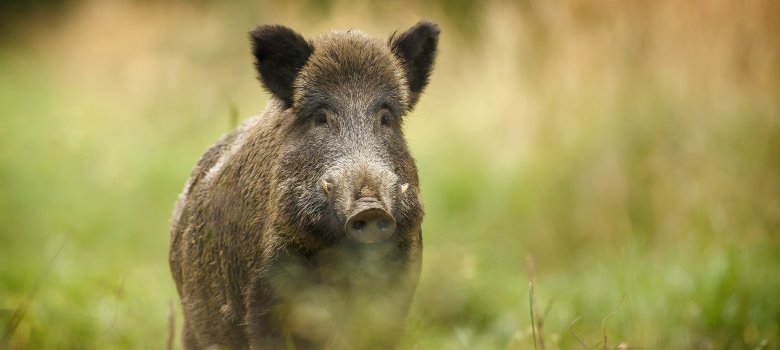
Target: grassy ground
<point>622,157</point>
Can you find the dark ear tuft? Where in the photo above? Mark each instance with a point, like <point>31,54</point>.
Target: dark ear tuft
<point>280,53</point>
<point>417,50</point>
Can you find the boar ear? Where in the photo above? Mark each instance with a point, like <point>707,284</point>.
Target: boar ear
<point>280,53</point>
<point>417,50</point>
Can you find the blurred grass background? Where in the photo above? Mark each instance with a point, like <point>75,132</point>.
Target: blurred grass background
<point>624,156</point>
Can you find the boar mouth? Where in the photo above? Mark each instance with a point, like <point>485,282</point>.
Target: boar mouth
<point>369,222</point>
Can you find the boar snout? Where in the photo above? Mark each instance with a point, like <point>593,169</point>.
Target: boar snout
<point>369,222</point>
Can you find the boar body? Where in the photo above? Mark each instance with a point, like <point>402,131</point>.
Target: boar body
<point>302,227</point>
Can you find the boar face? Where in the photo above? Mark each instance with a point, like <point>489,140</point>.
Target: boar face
<point>345,171</point>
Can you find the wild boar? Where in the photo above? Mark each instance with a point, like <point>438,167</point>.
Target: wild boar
<point>302,228</point>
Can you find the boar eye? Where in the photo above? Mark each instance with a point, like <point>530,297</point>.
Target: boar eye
<point>320,118</point>
<point>385,116</point>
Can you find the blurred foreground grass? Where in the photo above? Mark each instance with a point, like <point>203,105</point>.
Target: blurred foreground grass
<point>624,156</point>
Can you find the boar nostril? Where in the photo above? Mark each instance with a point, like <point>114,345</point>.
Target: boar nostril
<point>383,224</point>
<point>358,224</point>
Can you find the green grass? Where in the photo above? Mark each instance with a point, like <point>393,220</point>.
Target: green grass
<point>637,183</point>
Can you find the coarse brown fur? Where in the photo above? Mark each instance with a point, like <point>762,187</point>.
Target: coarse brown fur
<point>258,247</point>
